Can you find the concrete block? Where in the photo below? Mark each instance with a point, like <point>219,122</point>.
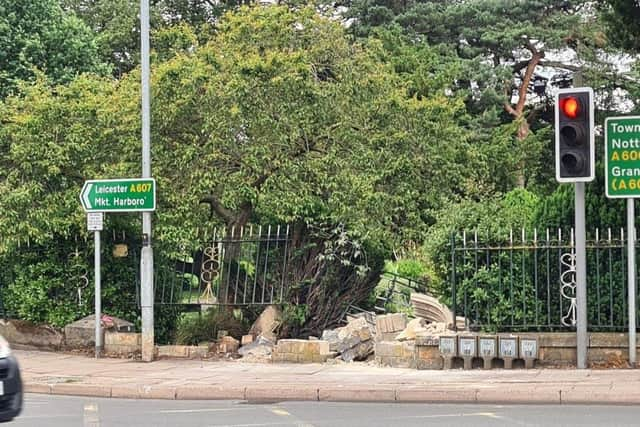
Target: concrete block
<point>124,391</point>
<point>279,393</point>
<point>39,388</point>
<point>430,394</point>
<point>122,342</point>
<point>336,394</point>
<point>122,338</point>
<point>210,392</point>
<point>81,390</point>
<point>517,395</point>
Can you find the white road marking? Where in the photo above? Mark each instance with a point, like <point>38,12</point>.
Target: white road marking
<point>91,415</point>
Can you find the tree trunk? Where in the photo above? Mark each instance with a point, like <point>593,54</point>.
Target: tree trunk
<point>523,133</point>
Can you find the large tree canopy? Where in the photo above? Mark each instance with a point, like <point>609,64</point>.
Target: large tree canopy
<point>39,35</point>
<point>278,118</point>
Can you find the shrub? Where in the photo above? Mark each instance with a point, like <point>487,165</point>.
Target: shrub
<point>194,328</point>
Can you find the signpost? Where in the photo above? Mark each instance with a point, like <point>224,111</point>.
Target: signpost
<point>95,223</point>
<point>622,180</point>
<point>119,195</point>
<point>112,195</point>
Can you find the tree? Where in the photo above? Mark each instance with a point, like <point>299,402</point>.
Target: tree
<point>39,35</point>
<point>622,17</point>
<point>507,46</point>
<point>280,116</point>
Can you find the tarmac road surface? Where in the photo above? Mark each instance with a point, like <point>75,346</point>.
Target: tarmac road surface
<point>69,411</point>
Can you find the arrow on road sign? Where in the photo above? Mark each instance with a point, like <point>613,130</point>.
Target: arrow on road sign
<point>86,203</point>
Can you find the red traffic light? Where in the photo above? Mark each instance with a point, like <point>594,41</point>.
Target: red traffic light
<point>570,107</point>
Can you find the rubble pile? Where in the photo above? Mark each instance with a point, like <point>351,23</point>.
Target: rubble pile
<point>355,341</point>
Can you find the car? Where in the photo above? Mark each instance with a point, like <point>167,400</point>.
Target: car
<point>10,384</point>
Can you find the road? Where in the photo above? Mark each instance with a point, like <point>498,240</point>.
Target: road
<point>67,411</point>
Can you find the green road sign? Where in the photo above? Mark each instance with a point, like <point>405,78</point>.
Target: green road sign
<point>622,156</point>
<point>119,195</point>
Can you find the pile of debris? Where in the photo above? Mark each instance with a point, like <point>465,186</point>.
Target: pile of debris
<point>356,341</point>
<point>353,342</point>
<point>258,345</point>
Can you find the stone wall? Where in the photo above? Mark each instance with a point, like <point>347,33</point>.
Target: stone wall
<point>396,354</point>
<point>122,343</point>
<point>554,350</point>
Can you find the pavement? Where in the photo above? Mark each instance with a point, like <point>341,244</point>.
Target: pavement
<point>66,374</point>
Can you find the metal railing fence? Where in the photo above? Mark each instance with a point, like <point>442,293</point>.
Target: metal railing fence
<point>235,266</point>
<point>525,281</point>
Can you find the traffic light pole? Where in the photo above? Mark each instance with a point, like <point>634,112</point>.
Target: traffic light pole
<point>631,265</point>
<point>581,277</point>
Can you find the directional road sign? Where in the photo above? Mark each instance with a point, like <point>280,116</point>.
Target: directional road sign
<point>622,156</point>
<point>119,195</point>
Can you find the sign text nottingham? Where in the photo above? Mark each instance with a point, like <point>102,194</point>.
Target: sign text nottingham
<point>622,157</point>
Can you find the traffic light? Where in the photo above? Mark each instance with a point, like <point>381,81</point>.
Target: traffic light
<point>575,150</point>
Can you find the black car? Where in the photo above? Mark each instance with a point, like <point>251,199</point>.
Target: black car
<point>10,384</point>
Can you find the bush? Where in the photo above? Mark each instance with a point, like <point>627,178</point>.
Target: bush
<point>494,217</point>
<point>194,328</point>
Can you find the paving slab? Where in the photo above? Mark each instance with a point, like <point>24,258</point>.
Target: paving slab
<point>55,373</point>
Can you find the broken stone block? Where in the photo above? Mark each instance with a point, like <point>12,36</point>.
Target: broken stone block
<point>260,348</point>
<point>246,339</point>
<point>414,327</point>
<point>267,323</point>
<point>351,342</point>
<point>228,344</point>
<point>389,325</point>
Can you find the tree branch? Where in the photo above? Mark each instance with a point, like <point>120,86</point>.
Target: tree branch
<point>522,92</point>
<point>217,207</point>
